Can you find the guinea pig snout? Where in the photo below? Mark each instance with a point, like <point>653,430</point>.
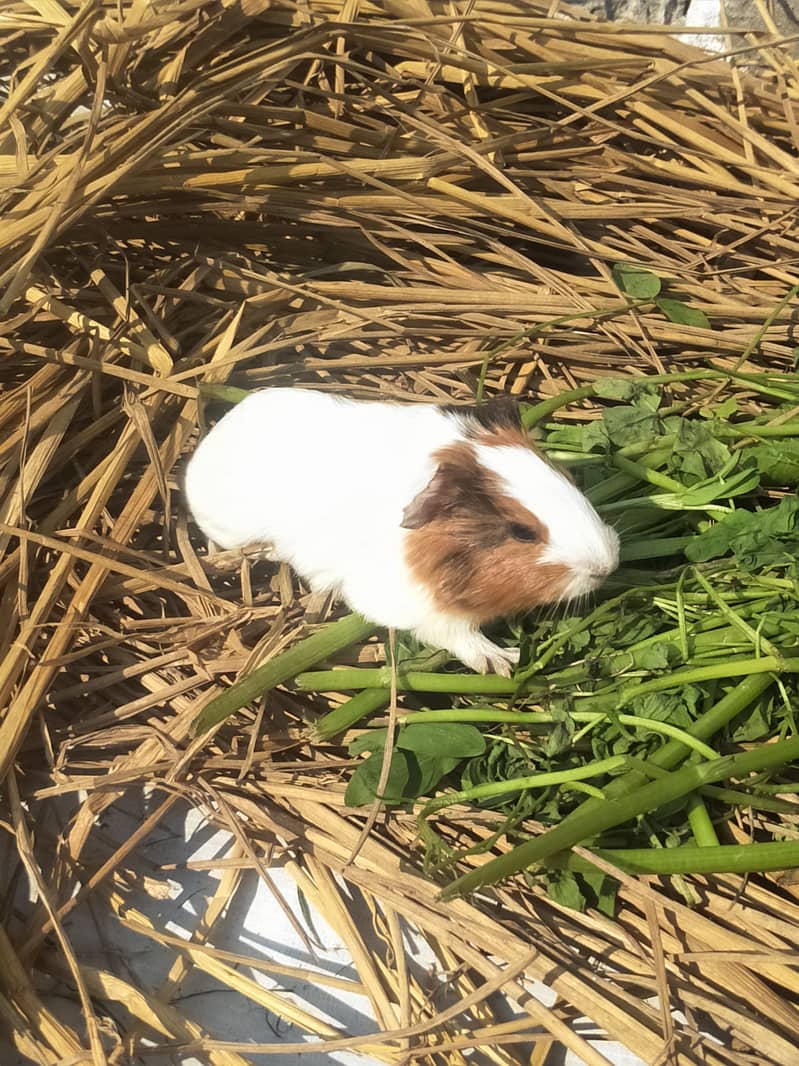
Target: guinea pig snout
<point>608,558</point>
<point>597,574</point>
<point>589,570</point>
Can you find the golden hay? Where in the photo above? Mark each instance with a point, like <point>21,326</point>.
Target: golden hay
<point>388,199</point>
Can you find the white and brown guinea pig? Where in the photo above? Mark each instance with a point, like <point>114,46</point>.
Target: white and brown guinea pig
<point>428,519</point>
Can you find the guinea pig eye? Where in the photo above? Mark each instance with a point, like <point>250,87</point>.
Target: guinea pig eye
<point>525,533</point>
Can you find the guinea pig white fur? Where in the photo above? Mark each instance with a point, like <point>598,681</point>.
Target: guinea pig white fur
<point>430,519</point>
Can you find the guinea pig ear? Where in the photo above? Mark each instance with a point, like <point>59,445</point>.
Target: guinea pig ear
<point>457,487</point>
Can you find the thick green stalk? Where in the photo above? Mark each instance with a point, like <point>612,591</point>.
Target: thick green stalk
<point>673,752</point>
<point>585,825</point>
<point>759,802</point>
<point>492,685</point>
<point>350,713</point>
<point>715,719</point>
<point>363,704</point>
<point>719,859</point>
<point>699,820</point>
<point>333,638</point>
<point>345,680</point>
<point>709,633</point>
<point>759,379</point>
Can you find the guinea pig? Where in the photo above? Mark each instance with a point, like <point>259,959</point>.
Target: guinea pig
<point>431,519</point>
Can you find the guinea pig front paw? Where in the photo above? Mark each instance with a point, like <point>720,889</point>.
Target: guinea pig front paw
<point>468,644</point>
<point>503,661</point>
<point>511,656</point>
<point>491,659</point>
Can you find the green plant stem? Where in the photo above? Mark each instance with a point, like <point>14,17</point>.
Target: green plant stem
<point>586,825</point>
<point>708,633</point>
<point>734,617</point>
<point>758,379</point>
<point>222,393</point>
<point>643,473</point>
<point>716,718</point>
<point>699,820</point>
<point>548,649</point>
<point>693,675</point>
<point>535,414</point>
<point>597,315</point>
<point>768,322</point>
<point>492,685</point>
<point>363,704</point>
<point>738,430</point>
<point>491,789</point>
<point>350,713</point>
<point>493,716</point>
<point>734,798</point>
<point>673,752</point>
<point>717,859</point>
<point>316,648</point>
<point>542,410</point>
<point>610,488</point>
<point>356,678</point>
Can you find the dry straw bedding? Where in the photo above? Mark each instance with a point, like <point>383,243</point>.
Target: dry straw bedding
<point>382,199</point>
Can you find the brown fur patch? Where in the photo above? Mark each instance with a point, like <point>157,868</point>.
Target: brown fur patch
<point>460,544</point>
<point>460,487</point>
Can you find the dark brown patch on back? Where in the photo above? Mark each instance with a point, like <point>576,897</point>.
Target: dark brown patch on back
<point>504,437</point>
<point>495,421</point>
<point>460,545</point>
<point>513,435</point>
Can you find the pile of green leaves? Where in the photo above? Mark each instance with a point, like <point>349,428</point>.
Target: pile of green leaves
<point>707,599</point>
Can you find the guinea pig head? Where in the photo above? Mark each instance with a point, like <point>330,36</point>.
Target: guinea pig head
<point>499,530</point>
